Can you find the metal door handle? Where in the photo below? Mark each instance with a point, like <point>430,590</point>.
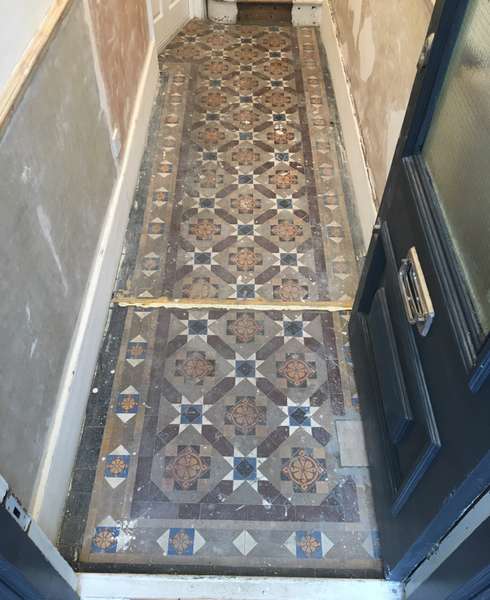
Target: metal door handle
<point>415,293</point>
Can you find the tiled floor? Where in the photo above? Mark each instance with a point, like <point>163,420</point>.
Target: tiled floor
<point>225,440</point>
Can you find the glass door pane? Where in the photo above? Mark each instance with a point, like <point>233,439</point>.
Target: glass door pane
<point>457,152</point>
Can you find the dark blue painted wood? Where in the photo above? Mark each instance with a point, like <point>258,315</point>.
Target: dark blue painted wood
<point>426,479</point>
<point>397,410</point>
<point>465,574</point>
<point>25,567</point>
<point>13,584</point>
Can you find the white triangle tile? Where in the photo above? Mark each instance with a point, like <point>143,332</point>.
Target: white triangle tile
<point>199,541</point>
<point>125,417</point>
<point>130,390</point>
<point>120,451</point>
<point>141,313</point>
<point>114,482</point>
<point>163,540</point>
<point>327,544</point>
<point>244,543</point>
<point>138,338</point>
<point>134,362</point>
<point>290,544</point>
<point>369,546</point>
<point>108,522</point>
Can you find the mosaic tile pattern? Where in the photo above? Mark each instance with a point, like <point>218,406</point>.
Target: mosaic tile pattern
<point>220,443</point>
<point>246,195</point>
<point>222,440</point>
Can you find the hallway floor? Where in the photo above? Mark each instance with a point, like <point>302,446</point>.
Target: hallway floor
<point>223,440</point>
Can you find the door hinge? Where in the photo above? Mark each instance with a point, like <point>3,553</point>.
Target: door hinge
<point>17,511</point>
<point>425,52</point>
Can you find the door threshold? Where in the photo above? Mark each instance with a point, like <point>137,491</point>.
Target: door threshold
<point>100,586</point>
<point>255,304</point>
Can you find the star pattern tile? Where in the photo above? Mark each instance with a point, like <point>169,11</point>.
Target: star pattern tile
<point>212,442</point>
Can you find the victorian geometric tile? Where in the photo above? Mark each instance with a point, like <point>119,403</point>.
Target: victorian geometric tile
<point>231,439</point>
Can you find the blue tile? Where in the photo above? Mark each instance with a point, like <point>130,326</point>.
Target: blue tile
<point>105,540</point>
<point>293,328</point>
<point>181,542</point>
<point>309,545</point>
<point>299,416</point>
<point>245,290</point>
<point>198,327</point>
<point>202,258</point>
<point>206,202</point>
<point>245,368</point>
<point>116,465</point>
<point>191,414</point>
<point>284,203</point>
<point>289,259</point>
<point>244,469</point>
<point>127,403</point>
<point>245,229</point>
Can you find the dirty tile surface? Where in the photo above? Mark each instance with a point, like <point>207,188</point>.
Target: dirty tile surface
<point>246,189</point>
<point>222,440</point>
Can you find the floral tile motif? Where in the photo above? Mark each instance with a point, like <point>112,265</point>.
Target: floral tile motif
<point>246,198</point>
<point>304,470</point>
<point>117,466</point>
<point>308,545</point>
<point>180,542</point>
<point>213,439</point>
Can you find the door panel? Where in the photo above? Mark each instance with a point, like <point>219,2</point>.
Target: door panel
<point>168,18</point>
<point>402,391</point>
<point>397,410</point>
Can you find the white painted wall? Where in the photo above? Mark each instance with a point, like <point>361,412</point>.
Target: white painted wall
<point>19,21</point>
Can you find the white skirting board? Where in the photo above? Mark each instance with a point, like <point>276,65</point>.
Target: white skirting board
<point>173,587</point>
<point>363,191</point>
<point>59,457</point>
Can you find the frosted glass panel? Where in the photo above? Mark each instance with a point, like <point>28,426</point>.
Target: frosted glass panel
<point>457,152</point>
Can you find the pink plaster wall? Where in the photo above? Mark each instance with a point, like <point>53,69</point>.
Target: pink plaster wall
<point>122,39</point>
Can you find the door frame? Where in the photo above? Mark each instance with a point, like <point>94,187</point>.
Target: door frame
<point>24,568</point>
<point>445,25</point>
<point>184,9</point>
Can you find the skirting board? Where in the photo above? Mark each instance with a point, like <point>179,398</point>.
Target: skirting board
<point>55,473</point>
<point>361,183</point>
<point>170,587</point>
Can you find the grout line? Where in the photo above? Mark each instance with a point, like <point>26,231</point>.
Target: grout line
<point>232,303</point>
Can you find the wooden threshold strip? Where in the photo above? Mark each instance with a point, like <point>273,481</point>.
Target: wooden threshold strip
<point>22,72</point>
<point>257,304</point>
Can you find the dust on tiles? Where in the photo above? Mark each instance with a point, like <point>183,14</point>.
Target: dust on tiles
<point>225,438</point>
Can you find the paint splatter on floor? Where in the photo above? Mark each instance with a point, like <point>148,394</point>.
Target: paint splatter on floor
<point>230,440</point>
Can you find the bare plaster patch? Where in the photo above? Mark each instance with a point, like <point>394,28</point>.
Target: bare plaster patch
<point>355,7</point>
<point>395,121</point>
<point>367,49</point>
